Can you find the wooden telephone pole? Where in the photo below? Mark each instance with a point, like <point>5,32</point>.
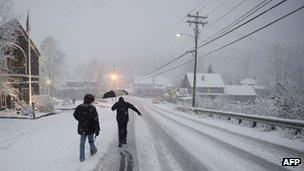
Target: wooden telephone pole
<point>195,20</point>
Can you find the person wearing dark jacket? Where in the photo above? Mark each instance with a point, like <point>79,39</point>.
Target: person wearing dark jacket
<point>88,124</point>
<point>122,118</point>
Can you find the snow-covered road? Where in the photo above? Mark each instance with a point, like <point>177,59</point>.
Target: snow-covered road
<point>163,139</point>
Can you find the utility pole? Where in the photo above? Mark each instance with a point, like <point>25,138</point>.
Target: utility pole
<point>277,68</point>
<point>196,20</point>
<point>277,62</point>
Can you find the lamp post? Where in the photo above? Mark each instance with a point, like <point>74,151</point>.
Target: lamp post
<point>195,38</point>
<point>49,84</point>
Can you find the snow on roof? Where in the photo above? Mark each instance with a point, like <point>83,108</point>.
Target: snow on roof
<point>206,80</point>
<point>249,81</point>
<point>157,80</point>
<point>239,90</point>
<point>256,87</point>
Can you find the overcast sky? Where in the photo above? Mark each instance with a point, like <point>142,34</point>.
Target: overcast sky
<point>114,31</point>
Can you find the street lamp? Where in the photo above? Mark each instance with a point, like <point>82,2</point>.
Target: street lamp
<point>113,77</point>
<point>184,34</point>
<point>49,83</point>
<point>195,38</point>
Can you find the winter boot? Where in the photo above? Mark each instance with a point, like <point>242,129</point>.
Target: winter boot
<point>81,160</point>
<point>93,151</point>
<point>119,144</point>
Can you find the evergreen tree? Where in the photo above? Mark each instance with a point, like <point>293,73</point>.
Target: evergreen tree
<point>210,69</point>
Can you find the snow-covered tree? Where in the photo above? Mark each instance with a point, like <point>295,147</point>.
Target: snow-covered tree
<point>7,26</point>
<point>90,71</point>
<point>8,35</point>
<point>52,65</point>
<point>289,101</point>
<point>210,69</point>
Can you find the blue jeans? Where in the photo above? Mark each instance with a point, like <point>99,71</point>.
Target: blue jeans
<point>82,144</point>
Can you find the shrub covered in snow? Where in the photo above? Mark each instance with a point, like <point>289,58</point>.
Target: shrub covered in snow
<point>44,103</point>
<point>289,101</point>
<point>287,106</point>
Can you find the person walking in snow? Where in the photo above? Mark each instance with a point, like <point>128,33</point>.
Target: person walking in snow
<point>122,118</point>
<point>88,124</point>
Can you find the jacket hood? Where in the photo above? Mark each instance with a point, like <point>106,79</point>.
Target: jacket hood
<point>88,99</point>
<point>121,99</point>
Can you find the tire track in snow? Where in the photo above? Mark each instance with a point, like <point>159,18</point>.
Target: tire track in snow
<point>182,159</point>
<point>123,158</point>
<point>264,143</point>
<point>15,136</point>
<point>271,152</point>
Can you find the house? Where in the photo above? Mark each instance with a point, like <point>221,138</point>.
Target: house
<point>77,89</point>
<point>207,84</point>
<point>259,89</point>
<point>14,68</point>
<point>240,93</point>
<point>150,86</point>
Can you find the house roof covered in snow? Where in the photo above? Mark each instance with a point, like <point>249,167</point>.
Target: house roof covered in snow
<point>206,80</point>
<point>249,81</point>
<point>153,80</point>
<point>239,90</point>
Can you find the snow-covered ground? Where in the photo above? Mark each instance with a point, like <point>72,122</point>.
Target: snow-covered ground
<point>163,139</point>
<point>50,143</point>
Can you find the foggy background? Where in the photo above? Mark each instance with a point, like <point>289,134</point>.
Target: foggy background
<point>136,36</point>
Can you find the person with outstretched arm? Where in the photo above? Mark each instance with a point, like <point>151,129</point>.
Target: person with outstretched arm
<point>122,118</point>
<point>88,124</point>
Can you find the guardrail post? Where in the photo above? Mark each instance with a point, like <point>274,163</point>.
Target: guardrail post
<point>272,127</point>
<point>254,123</point>
<point>297,131</point>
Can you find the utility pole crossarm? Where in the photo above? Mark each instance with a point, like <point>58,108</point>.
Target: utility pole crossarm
<point>197,22</point>
<point>197,16</point>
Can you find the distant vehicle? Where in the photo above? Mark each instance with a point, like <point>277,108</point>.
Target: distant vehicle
<point>155,100</point>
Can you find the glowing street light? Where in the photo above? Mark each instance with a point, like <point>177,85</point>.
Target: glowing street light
<point>48,82</point>
<point>184,34</point>
<point>113,77</point>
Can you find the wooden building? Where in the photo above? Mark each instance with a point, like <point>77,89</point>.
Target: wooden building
<point>151,86</point>
<point>14,68</point>
<point>207,84</point>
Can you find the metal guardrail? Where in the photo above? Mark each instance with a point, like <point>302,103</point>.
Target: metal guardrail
<point>290,123</point>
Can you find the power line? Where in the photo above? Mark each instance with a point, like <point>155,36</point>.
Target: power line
<point>164,65</point>
<point>229,44</point>
<point>263,59</point>
<point>231,10</point>
<point>217,7</point>
<point>214,40</point>
<point>203,6</point>
<point>248,21</point>
<point>179,23</point>
<point>161,36</point>
<point>227,13</point>
<point>238,20</point>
